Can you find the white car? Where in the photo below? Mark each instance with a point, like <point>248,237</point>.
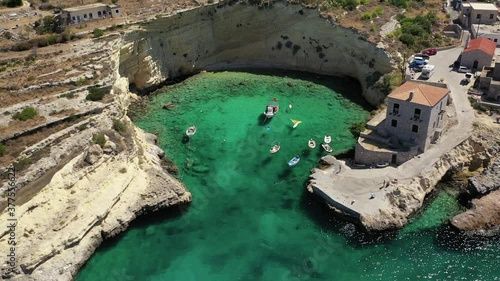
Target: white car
<point>463,69</point>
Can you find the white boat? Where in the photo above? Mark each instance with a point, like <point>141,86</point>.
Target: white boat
<point>294,161</point>
<point>275,149</point>
<point>328,139</point>
<point>311,143</point>
<point>190,131</point>
<point>272,108</point>
<point>327,147</point>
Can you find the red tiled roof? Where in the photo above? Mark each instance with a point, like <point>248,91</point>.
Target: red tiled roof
<point>423,94</point>
<point>483,44</point>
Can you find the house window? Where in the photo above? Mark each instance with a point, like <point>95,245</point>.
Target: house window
<point>104,12</point>
<point>478,16</point>
<point>491,16</point>
<point>395,108</point>
<point>394,123</point>
<point>495,40</point>
<point>434,124</point>
<point>117,11</point>
<point>416,114</point>
<point>74,18</point>
<point>414,128</point>
<point>84,16</point>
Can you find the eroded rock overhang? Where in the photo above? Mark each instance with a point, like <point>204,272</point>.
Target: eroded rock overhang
<point>237,35</point>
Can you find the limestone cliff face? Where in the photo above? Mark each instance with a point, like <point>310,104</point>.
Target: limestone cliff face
<point>93,197</point>
<point>236,35</point>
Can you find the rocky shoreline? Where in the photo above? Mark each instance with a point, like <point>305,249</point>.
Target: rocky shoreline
<point>93,197</point>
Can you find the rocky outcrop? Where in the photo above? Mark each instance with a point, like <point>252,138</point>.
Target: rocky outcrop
<point>483,217</point>
<point>233,34</point>
<point>486,182</point>
<point>93,197</point>
<point>406,199</point>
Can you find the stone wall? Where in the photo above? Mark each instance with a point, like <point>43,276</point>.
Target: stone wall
<point>236,35</point>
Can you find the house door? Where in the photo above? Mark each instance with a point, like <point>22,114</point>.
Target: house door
<point>474,66</point>
<point>77,19</point>
<point>394,158</point>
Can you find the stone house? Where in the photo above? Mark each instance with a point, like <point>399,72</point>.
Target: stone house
<point>478,53</point>
<point>478,13</point>
<point>89,12</point>
<point>413,120</point>
<point>489,80</point>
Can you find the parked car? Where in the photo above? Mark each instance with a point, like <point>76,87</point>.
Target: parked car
<point>430,52</point>
<point>466,79</point>
<point>421,59</point>
<point>424,56</point>
<point>463,69</point>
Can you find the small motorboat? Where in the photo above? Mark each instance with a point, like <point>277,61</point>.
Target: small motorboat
<point>328,139</point>
<point>272,108</point>
<point>294,161</point>
<point>311,143</point>
<point>327,147</point>
<point>275,149</point>
<point>190,131</point>
<point>295,123</point>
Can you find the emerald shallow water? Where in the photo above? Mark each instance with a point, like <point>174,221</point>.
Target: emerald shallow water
<point>251,218</point>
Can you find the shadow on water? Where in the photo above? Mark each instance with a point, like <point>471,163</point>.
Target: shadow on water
<point>146,220</point>
<point>329,222</point>
<point>449,238</point>
<point>263,120</point>
<point>338,84</point>
<point>185,139</point>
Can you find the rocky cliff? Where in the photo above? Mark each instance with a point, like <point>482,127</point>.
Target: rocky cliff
<point>487,181</point>
<point>234,34</point>
<point>93,197</point>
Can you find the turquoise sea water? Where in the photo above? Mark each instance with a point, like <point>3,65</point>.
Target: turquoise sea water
<point>251,218</point>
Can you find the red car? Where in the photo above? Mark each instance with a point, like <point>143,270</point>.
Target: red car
<point>430,52</point>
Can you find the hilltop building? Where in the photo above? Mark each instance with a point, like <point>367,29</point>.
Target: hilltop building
<point>478,53</point>
<point>413,120</point>
<point>89,12</point>
<point>490,80</point>
<point>478,13</point>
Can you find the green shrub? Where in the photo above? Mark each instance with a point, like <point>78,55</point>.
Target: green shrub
<point>98,33</point>
<point>3,148</point>
<point>99,139</point>
<point>119,126</point>
<point>96,94</point>
<point>68,95</point>
<point>12,3</point>
<point>366,16</point>
<point>407,39</point>
<point>378,11</point>
<point>27,113</point>
<point>114,1</point>
<point>81,81</point>
<point>357,128</point>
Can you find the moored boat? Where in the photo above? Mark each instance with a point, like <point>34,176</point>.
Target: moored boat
<point>190,131</point>
<point>294,161</point>
<point>328,139</point>
<point>272,108</point>
<point>327,147</point>
<point>275,148</point>
<point>311,143</point>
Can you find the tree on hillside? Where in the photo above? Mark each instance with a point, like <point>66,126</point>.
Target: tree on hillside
<point>12,3</point>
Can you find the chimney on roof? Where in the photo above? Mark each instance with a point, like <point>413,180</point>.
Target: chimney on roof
<point>411,96</point>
